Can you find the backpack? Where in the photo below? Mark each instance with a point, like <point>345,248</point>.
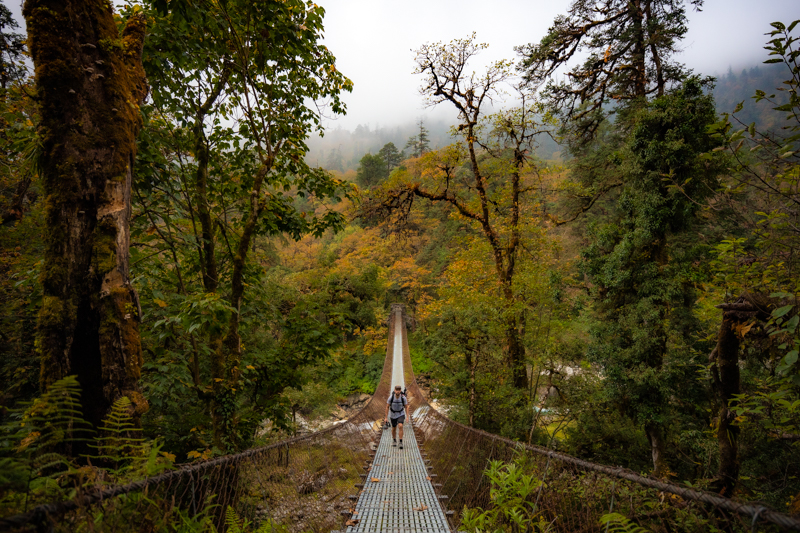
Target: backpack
<point>401,400</point>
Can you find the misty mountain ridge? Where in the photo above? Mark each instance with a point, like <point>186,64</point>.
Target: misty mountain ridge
<point>342,149</point>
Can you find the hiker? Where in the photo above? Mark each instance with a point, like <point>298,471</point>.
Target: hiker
<point>397,405</point>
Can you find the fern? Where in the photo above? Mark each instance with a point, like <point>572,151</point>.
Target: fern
<point>34,442</point>
<point>618,523</point>
<point>235,524</point>
<point>119,443</point>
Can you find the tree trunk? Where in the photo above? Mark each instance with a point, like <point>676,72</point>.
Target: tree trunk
<point>208,256</point>
<point>725,373</point>
<point>516,351</point>
<point>16,208</point>
<point>639,66</point>
<point>89,82</point>
<point>660,83</point>
<point>726,382</point>
<point>655,435</point>
<point>516,355</point>
<point>227,360</point>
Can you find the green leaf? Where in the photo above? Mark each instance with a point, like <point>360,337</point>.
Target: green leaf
<point>782,311</point>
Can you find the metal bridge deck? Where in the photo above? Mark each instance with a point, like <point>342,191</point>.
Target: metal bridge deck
<point>398,496</point>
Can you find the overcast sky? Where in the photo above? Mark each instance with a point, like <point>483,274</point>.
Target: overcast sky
<point>372,41</point>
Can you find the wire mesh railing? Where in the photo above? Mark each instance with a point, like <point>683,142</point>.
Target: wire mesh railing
<point>307,483</point>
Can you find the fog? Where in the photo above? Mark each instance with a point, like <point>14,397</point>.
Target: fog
<point>373,42</point>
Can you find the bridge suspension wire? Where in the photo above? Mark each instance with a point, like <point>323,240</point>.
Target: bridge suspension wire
<point>312,483</point>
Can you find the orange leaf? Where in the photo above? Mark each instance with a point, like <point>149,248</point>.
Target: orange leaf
<point>742,329</point>
<point>352,522</point>
<point>375,479</point>
<point>28,440</point>
<point>422,507</point>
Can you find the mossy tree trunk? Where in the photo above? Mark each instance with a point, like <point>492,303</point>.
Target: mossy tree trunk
<point>89,82</point>
<point>725,371</point>
<point>737,318</point>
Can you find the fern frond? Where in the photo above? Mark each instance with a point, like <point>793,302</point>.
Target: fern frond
<point>620,524</point>
<point>13,474</point>
<point>47,422</point>
<point>117,442</point>
<point>232,521</point>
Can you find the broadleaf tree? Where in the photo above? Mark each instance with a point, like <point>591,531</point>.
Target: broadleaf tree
<point>237,90</point>
<point>481,176</point>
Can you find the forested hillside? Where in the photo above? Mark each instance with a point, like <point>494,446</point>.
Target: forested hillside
<point>606,267</point>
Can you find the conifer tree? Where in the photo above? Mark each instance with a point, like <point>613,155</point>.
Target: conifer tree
<point>390,156</point>
<point>630,44</point>
<point>637,258</point>
<point>12,49</point>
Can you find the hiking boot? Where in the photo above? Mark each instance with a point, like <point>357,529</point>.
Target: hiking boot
<point>401,445</point>
<point>394,443</point>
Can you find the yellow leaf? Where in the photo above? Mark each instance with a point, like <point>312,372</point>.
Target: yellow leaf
<point>170,456</point>
<point>250,367</point>
<point>160,303</point>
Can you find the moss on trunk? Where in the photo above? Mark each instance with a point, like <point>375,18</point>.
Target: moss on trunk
<point>89,82</point>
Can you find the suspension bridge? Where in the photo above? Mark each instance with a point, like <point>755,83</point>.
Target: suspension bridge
<point>350,479</point>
